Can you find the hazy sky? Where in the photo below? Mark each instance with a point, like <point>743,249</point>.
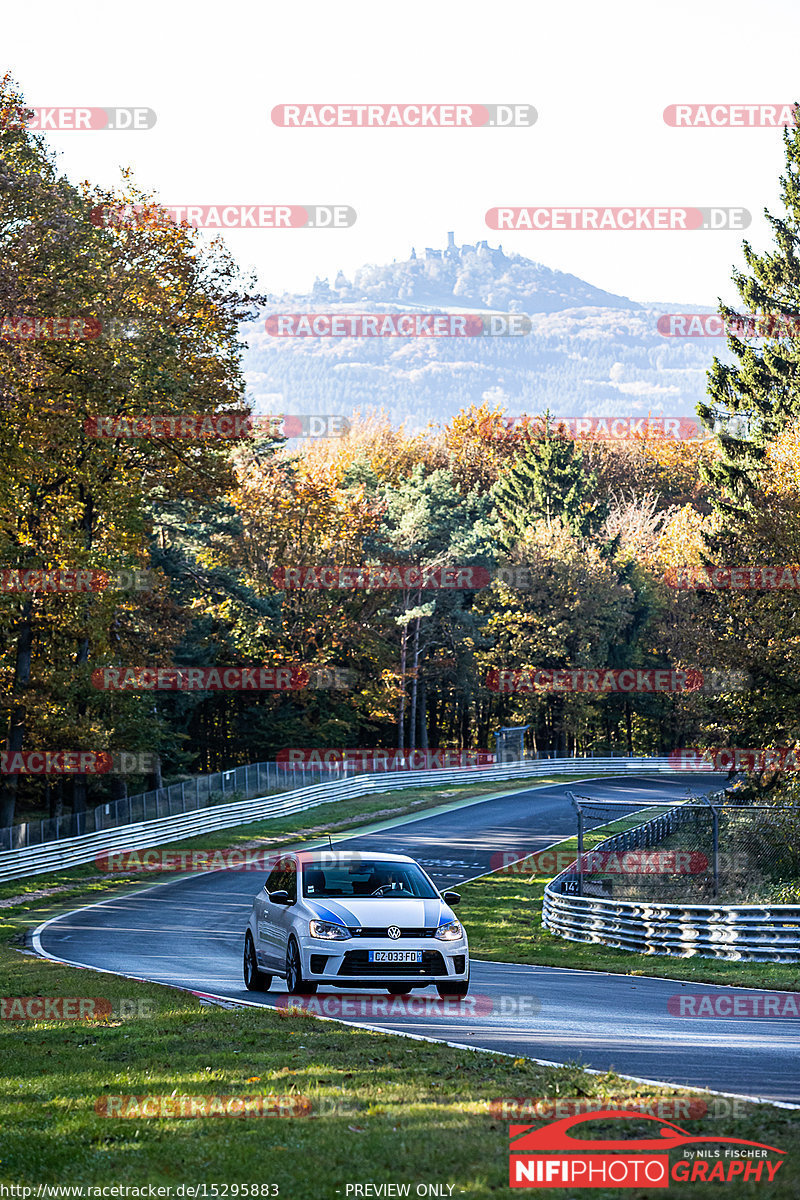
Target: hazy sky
<point>599,76</point>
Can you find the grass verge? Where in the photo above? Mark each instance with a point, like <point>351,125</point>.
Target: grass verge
<point>381,1109</point>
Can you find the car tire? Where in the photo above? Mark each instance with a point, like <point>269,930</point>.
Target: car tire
<point>297,986</point>
<point>398,989</point>
<point>254,979</point>
<point>459,987</point>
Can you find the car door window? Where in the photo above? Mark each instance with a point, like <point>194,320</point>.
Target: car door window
<point>290,881</point>
<point>273,883</point>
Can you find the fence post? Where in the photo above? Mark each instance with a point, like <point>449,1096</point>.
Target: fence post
<point>580,849</point>
<point>715,847</point>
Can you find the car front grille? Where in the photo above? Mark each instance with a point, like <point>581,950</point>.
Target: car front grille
<point>356,963</point>
<point>381,931</point>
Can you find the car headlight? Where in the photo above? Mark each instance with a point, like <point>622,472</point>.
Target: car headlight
<point>328,930</point>
<point>449,932</point>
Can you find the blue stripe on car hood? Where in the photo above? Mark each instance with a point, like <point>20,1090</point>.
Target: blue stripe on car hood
<point>434,912</point>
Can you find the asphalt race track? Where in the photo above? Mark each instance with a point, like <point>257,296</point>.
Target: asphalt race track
<point>189,933</point>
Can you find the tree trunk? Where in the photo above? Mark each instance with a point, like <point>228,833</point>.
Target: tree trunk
<point>628,726</point>
<point>17,722</point>
<point>412,722</point>
<point>423,715</point>
<point>401,716</point>
<point>434,719</point>
<point>79,787</point>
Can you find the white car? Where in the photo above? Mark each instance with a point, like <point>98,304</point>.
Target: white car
<point>354,920</point>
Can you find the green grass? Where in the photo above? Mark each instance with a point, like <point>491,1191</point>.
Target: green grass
<point>383,1109</point>
<point>503,916</point>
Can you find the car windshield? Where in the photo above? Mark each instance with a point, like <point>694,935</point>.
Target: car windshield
<point>379,880</point>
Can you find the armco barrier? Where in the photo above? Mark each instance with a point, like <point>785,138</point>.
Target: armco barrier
<point>738,933</point>
<point>70,852</point>
<point>201,791</point>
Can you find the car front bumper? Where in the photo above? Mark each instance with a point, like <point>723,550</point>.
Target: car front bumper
<point>347,962</point>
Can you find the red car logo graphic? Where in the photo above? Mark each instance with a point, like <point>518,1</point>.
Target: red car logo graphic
<point>556,1136</point>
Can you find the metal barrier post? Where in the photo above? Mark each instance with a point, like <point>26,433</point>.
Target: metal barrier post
<point>573,799</point>
<point>580,849</point>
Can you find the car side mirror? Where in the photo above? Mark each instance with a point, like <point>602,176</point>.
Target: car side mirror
<point>280,898</point>
<point>452,897</point>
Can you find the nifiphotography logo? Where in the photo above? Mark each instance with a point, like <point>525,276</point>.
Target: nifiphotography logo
<point>552,1156</point>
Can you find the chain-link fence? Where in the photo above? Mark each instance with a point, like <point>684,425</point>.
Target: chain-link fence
<point>704,850</point>
<point>201,791</point>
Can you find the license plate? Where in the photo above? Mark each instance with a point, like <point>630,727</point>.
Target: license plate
<point>395,956</point>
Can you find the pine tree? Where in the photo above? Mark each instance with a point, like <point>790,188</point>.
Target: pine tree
<point>763,386</point>
<point>548,481</point>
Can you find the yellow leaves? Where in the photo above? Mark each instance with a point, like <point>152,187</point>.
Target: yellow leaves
<point>783,458</point>
<point>680,542</point>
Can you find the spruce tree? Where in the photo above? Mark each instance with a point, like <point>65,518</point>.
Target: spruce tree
<point>548,481</point>
<point>763,385</point>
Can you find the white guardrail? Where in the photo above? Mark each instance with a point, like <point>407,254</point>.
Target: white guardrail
<point>738,933</point>
<point>71,852</point>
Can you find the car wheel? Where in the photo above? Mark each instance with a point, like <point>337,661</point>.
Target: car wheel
<point>398,989</point>
<point>254,980</point>
<point>294,974</point>
<point>457,988</point>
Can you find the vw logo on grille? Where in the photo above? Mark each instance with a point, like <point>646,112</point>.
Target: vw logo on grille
<point>393,931</point>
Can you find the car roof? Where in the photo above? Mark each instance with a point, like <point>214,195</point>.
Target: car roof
<point>333,858</point>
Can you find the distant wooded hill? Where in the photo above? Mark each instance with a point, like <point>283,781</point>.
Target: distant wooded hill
<point>589,352</point>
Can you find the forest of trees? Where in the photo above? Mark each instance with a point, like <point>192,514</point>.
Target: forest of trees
<point>596,529</point>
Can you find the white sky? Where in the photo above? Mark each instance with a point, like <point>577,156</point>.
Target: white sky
<point>599,75</point>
